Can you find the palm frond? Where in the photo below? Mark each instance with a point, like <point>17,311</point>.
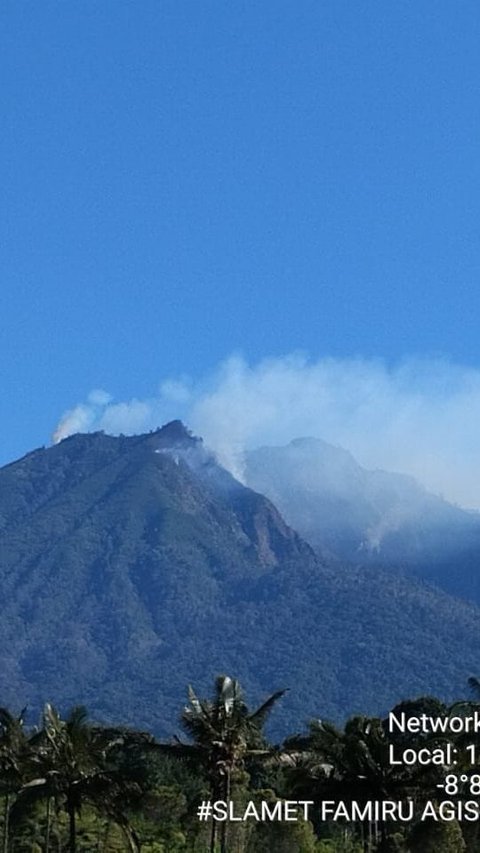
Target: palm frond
<point>260,715</point>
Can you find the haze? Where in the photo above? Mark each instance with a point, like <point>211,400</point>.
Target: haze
<point>419,417</point>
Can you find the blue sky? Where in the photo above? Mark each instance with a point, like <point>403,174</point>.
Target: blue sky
<point>182,180</point>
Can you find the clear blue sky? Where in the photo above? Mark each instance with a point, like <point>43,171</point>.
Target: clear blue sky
<point>181,179</point>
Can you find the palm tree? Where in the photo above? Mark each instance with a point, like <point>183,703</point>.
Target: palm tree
<point>71,761</point>
<point>349,765</point>
<point>224,733</point>
<point>13,747</point>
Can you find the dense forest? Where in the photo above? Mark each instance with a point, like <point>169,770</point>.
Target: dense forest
<point>132,566</point>
<point>72,785</point>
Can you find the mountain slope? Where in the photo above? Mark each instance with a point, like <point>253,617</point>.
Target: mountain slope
<point>369,517</point>
<point>133,566</point>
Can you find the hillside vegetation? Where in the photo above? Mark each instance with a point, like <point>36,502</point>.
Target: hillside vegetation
<point>133,566</point>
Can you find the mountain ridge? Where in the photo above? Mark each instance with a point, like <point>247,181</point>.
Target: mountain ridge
<point>371,517</point>
<point>128,573</point>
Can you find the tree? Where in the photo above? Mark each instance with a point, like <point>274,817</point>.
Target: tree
<point>71,760</point>
<point>350,765</point>
<point>436,837</point>
<point>224,734</point>
<point>13,748</point>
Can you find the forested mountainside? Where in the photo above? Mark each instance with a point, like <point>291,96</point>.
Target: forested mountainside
<point>131,567</point>
<point>369,517</point>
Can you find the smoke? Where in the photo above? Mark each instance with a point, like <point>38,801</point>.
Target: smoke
<point>82,417</point>
<point>420,417</point>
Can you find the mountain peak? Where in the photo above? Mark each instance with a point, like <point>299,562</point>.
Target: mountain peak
<point>172,435</point>
<point>176,434</point>
<point>133,565</point>
<point>367,516</point>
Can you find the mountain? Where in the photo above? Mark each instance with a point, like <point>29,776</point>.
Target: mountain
<point>132,566</point>
<point>369,517</point>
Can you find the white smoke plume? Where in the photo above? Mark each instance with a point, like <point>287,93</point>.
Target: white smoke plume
<point>420,417</point>
<point>82,417</point>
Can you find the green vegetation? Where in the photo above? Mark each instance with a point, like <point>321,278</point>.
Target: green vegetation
<point>72,786</point>
<point>134,566</point>
<point>129,570</point>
